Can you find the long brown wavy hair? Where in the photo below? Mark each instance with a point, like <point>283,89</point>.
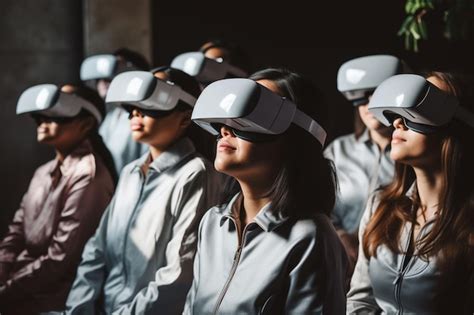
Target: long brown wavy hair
<point>451,239</point>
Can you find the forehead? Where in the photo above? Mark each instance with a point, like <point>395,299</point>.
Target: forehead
<point>161,75</point>
<point>440,84</point>
<point>269,85</point>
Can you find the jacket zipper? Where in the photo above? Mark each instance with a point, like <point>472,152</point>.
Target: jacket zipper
<point>235,263</point>
<point>401,274</point>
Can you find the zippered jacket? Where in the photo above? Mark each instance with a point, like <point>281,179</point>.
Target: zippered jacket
<point>281,266</point>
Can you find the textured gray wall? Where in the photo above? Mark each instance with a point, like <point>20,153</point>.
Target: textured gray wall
<point>41,42</point>
<point>111,24</point>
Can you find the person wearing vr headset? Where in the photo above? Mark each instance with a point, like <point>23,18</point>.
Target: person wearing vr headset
<point>140,259</point>
<point>417,234</point>
<point>362,159</point>
<point>216,59</point>
<point>101,69</point>
<point>61,209</point>
<point>269,247</point>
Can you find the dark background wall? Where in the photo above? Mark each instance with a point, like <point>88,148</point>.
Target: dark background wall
<point>41,41</point>
<point>291,34</point>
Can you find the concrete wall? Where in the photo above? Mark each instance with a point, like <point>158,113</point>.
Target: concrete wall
<point>111,24</point>
<point>40,43</point>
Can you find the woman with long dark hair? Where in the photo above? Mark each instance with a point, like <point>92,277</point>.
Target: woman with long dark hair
<point>270,247</point>
<point>417,248</point>
<point>64,202</point>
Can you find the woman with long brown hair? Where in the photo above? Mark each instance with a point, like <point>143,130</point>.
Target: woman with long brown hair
<point>417,249</point>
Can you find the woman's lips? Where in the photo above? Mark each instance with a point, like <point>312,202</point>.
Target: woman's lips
<point>397,139</point>
<point>136,125</point>
<point>225,146</point>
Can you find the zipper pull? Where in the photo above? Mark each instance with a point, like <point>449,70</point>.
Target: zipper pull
<point>237,253</point>
<point>398,278</point>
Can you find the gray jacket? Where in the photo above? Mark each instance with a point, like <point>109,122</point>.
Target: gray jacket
<point>282,266</point>
<point>381,284</point>
<point>140,259</point>
<point>361,168</point>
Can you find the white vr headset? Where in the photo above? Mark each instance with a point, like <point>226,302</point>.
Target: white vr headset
<point>423,107</point>
<point>143,90</point>
<point>251,110</point>
<point>205,69</point>
<point>103,67</point>
<point>49,100</point>
<point>357,78</point>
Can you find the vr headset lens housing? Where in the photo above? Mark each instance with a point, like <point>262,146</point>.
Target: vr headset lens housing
<point>99,67</point>
<point>358,78</point>
<point>249,107</point>
<point>424,107</point>
<point>205,69</point>
<point>143,90</point>
<point>48,100</point>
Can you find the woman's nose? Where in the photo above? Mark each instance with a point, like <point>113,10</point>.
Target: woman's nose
<point>136,113</point>
<point>398,123</point>
<point>226,131</point>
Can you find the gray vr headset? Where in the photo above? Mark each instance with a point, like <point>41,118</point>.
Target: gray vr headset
<point>103,67</point>
<point>142,89</point>
<point>250,108</point>
<point>205,69</point>
<point>49,100</point>
<point>423,107</point>
<point>358,78</point>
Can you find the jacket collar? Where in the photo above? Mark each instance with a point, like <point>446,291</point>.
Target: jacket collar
<point>265,218</point>
<point>175,154</point>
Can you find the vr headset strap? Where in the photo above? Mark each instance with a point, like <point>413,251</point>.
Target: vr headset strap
<point>310,125</point>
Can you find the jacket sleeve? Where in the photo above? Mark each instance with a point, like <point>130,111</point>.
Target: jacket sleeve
<point>90,276</point>
<point>167,292</point>
<point>77,221</point>
<point>360,299</point>
<point>11,245</point>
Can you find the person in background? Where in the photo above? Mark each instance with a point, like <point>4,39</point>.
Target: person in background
<point>362,159</point>
<point>417,235</point>
<point>99,70</point>
<point>140,259</point>
<point>64,203</point>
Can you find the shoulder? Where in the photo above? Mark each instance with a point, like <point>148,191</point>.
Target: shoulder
<point>193,168</point>
<point>341,143</point>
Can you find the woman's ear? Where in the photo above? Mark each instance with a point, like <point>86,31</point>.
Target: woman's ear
<point>185,119</point>
<point>87,124</point>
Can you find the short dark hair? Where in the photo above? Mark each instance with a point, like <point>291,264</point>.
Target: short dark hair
<point>137,59</point>
<point>235,55</point>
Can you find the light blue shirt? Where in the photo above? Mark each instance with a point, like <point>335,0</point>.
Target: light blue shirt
<point>140,259</point>
<point>361,168</point>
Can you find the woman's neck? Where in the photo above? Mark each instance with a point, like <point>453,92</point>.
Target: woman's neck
<point>255,198</point>
<point>429,184</point>
<point>63,151</point>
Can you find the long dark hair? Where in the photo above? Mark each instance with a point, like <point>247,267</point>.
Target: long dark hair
<point>203,141</point>
<point>306,184</point>
<point>451,239</point>
<point>94,137</point>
